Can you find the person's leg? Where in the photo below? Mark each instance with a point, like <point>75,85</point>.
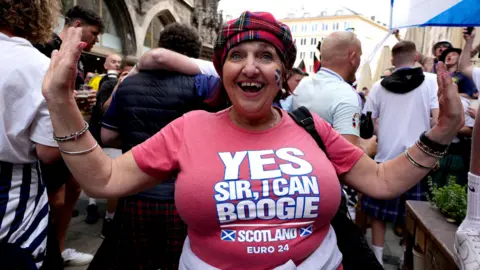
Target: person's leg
<point>378,238</point>
<point>109,215</point>
<point>72,192</point>
<point>92,212</point>
<point>70,256</point>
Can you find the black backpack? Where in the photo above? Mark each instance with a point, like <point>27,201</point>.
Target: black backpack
<point>350,240</point>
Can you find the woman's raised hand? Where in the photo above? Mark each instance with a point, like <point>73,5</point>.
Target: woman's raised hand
<point>59,81</point>
<point>451,114</point>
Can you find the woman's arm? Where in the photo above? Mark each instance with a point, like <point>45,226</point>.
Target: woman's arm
<point>99,175</point>
<point>392,178</point>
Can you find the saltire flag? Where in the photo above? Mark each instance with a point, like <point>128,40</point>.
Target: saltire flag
<point>302,67</point>
<point>316,64</point>
<point>418,13</point>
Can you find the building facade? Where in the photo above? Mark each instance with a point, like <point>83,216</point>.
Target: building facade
<point>133,26</point>
<point>308,31</point>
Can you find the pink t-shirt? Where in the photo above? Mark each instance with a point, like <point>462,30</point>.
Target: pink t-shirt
<point>251,200</point>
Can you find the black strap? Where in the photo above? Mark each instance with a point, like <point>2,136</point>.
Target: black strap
<point>303,118</point>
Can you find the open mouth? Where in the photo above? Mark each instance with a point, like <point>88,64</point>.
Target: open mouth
<point>251,87</point>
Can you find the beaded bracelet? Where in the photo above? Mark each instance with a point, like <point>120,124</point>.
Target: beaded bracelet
<point>79,152</point>
<point>73,136</point>
<point>425,149</point>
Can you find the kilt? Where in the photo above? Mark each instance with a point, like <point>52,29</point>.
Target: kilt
<point>455,164</point>
<point>394,210</point>
<point>148,234</point>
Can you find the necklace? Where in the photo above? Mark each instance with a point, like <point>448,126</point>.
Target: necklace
<point>275,120</point>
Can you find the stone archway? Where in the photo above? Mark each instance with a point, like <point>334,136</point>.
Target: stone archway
<point>167,11</point>
<point>155,26</point>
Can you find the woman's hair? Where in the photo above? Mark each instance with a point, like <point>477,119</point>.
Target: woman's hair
<point>33,20</point>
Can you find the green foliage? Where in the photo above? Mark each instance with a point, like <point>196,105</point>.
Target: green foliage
<point>450,199</point>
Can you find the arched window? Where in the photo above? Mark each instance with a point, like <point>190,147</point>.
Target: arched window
<point>153,34</point>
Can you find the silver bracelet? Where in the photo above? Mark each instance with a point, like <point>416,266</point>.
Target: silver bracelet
<point>79,152</point>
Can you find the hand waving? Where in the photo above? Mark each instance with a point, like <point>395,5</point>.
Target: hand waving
<point>451,114</point>
<point>59,81</point>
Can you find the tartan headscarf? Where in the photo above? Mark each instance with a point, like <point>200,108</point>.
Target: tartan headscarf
<point>255,26</point>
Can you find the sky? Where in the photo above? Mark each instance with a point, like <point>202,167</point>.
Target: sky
<point>280,8</point>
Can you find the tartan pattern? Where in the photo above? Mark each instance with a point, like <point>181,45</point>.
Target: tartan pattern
<point>391,210</point>
<point>148,234</point>
<point>255,26</point>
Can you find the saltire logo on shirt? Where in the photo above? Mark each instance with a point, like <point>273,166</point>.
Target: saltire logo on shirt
<point>228,235</point>
<point>306,231</point>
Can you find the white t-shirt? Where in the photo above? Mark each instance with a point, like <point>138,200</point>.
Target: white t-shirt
<point>402,117</point>
<point>469,121</point>
<point>206,67</point>
<point>24,117</point>
<point>329,96</point>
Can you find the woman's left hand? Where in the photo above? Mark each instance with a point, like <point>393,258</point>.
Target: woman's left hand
<point>451,114</point>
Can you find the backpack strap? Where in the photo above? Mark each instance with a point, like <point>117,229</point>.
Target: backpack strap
<point>303,118</point>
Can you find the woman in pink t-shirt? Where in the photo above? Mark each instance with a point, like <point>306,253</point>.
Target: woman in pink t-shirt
<point>254,188</point>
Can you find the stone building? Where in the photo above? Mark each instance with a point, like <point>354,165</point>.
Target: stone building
<point>133,26</point>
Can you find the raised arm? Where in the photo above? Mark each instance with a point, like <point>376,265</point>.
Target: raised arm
<point>392,178</point>
<point>99,175</point>
<point>161,58</point>
<point>465,62</point>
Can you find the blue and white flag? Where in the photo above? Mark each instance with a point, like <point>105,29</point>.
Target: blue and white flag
<point>228,235</point>
<point>412,13</point>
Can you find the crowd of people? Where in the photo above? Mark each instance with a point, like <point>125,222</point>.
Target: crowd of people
<point>235,163</point>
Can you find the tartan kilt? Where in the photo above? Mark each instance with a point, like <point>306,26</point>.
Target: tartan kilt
<point>394,210</point>
<point>148,234</point>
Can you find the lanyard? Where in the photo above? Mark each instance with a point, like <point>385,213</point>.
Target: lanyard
<point>332,73</point>
<point>328,71</point>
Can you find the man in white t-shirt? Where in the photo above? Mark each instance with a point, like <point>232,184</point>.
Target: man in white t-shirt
<point>329,94</point>
<point>26,136</point>
<point>404,103</point>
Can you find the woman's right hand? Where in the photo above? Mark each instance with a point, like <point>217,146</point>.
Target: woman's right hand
<point>59,81</point>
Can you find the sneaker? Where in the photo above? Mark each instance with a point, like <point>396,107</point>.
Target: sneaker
<point>467,247</point>
<point>92,214</point>
<point>71,257</point>
<point>107,227</point>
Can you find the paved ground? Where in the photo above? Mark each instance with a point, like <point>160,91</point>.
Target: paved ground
<point>86,238</point>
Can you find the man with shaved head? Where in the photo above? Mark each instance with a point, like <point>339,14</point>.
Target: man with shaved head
<point>112,67</point>
<point>329,93</point>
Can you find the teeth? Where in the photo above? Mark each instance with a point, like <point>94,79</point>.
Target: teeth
<point>251,84</point>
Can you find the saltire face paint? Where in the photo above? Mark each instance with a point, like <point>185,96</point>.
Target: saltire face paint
<point>278,78</point>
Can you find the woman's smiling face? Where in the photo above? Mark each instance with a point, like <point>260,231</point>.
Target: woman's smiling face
<point>252,76</point>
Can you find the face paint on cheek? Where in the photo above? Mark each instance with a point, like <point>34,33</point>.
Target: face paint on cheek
<point>278,78</point>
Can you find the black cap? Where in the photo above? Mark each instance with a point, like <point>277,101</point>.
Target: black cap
<point>447,51</point>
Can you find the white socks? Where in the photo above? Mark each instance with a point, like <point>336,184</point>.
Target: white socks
<point>109,215</point>
<point>378,251</point>
<point>472,220</point>
<point>92,201</point>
